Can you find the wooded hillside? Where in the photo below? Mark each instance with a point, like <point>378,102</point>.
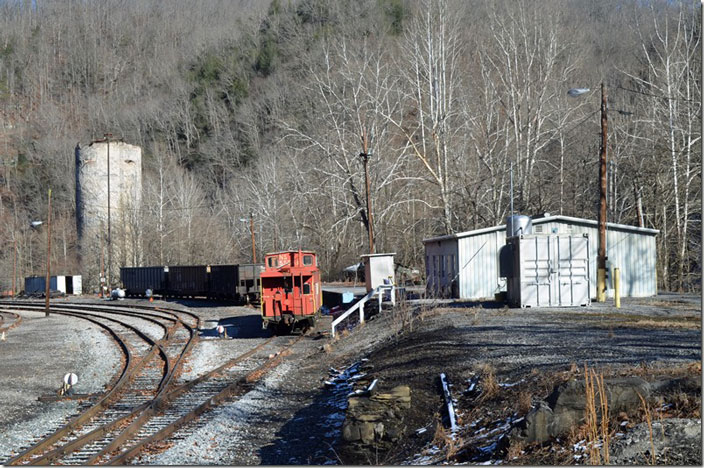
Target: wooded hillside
<point>253,107</point>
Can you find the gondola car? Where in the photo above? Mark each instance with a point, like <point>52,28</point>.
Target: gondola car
<point>238,282</point>
<point>291,292</point>
<point>137,280</point>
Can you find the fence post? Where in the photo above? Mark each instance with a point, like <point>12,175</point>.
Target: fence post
<point>380,295</point>
<point>361,310</point>
<point>617,287</point>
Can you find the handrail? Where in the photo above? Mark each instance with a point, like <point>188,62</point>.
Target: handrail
<point>360,305</point>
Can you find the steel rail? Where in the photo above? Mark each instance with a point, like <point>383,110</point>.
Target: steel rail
<point>236,388</point>
<point>106,401</point>
<point>157,404</point>
<point>15,323</point>
<point>104,430</point>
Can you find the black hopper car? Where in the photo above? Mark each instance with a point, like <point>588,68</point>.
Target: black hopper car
<point>240,283</point>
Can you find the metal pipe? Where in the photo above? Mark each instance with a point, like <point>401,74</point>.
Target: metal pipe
<point>48,257</point>
<point>617,287</point>
<point>365,160</point>
<point>511,189</point>
<point>601,260</point>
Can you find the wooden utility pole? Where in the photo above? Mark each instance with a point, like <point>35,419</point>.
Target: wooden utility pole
<point>251,231</point>
<point>601,260</point>
<point>14,263</point>
<point>48,257</point>
<point>365,160</point>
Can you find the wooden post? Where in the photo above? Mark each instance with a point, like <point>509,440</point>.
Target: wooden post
<point>601,260</point>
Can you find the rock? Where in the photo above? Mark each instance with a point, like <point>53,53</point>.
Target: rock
<point>676,441</point>
<point>366,432</point>
<point>375,421</point>
<point>535,425</point>
<point>564,407</point>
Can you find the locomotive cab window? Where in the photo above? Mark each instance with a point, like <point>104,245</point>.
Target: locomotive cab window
<point>306,288</point>
<point>307,260</point>
<point>273,262</point>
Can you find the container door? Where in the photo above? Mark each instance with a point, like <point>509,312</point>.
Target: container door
<point>572,281</point>
<point>537,287</point>
<point>77,285</point>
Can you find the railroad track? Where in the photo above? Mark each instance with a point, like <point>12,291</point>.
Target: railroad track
<point>9,320</point>
<point>145,404</point>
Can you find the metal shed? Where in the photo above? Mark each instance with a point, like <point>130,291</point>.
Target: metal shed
<point>466,265</point>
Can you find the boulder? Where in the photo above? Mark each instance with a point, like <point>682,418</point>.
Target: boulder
<point>564,407</point>
<point>376,420</point>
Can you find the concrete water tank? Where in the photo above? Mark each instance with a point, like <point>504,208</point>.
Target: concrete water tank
<point>517,225</point>
<point>92,206</point>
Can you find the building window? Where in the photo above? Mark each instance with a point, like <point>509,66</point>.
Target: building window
<point>273,262</point>
<point>307,260</point>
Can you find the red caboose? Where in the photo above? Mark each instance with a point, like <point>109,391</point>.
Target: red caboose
<point>291,292</point>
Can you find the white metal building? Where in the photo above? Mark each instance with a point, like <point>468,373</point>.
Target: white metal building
<point>466,265</point>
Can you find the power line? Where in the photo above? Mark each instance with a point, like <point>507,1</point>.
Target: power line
<point>655,95</point>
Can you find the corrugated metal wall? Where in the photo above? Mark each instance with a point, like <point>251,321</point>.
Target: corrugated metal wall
<point>632,252</point>
<point>441,262</point>
<point>477,258</point>
<point>479,265</point>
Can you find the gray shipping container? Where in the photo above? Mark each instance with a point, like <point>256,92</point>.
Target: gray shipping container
<point>549,271</point>
<point>136,280</point>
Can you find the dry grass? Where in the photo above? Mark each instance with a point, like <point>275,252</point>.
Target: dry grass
<point>490,387</point>
<point>446,441</point>
<point>649,422</point>
<point>525,402</point>
<point>596,417</point>
<point>690,322</point>
<point>515,450</point>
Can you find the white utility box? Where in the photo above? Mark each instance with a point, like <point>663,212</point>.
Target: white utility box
<point>378,269</point>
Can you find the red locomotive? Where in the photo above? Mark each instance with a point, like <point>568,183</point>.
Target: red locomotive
<point>291,294</point>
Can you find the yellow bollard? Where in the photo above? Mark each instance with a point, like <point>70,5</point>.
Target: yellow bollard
<point>617,287</point>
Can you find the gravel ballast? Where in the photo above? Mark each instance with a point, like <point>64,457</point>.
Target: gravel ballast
<point>35,357</point>
<point>290,417</point>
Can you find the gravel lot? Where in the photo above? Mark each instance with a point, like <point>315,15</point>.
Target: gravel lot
<point>290,417</point>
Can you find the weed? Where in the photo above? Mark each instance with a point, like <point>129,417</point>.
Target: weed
<point>596,429</point>
<point>490,387</point>
<point>525,402</point>
<point>649,422</point>
<point>514,450</point>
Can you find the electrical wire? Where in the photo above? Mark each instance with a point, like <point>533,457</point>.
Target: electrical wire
<point>635,91</point>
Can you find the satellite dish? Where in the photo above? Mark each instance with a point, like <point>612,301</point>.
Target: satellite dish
<point>574,92</point>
